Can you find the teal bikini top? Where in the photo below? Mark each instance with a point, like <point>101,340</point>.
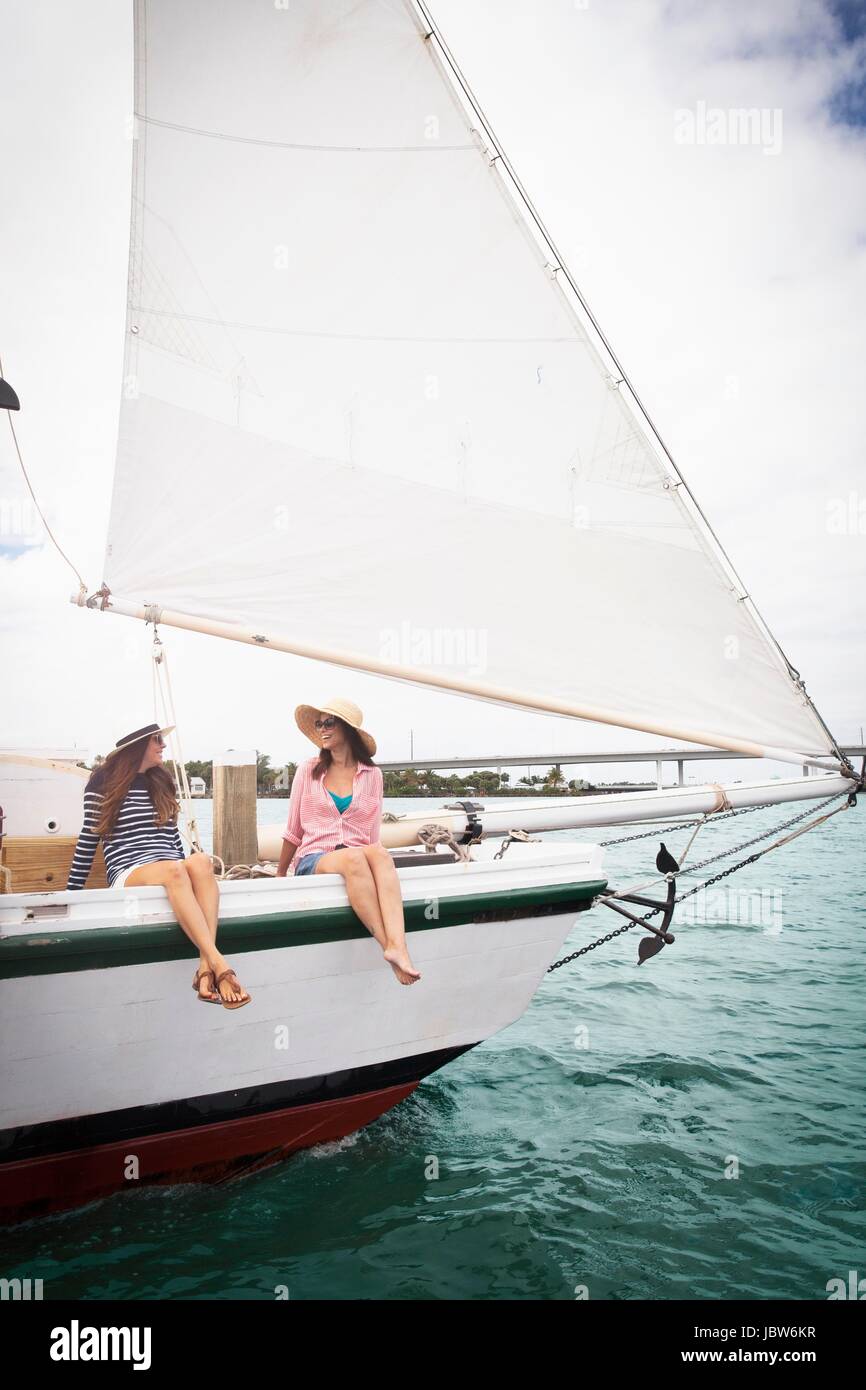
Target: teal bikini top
<point>342,803</point>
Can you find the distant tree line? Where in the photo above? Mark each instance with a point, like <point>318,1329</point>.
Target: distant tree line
<point>270,781</point>
<point>481,782</point>
<point>277,781</point>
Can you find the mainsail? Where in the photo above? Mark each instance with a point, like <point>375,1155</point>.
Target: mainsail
<point>363,410</point>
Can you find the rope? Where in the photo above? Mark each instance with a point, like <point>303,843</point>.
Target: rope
<point>756,839</point>
<point>239,871</point>
<point>698,828</point>
<point>650,882</point>
<point>163,705</point>
<point>725,873</point>
<point>722,802</point>
<point>82,587</point>
<point>431,835</point>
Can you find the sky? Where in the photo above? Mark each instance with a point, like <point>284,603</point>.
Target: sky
<point>729,278</point>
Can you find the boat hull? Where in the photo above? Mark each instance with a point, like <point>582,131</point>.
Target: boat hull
<point>114,1075</point>
<point>208,1151</point>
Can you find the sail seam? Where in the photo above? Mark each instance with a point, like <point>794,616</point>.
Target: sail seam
<point>429,148</point>
<point>347,337</point>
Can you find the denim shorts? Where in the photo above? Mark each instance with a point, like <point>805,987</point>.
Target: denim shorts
<point>307,865</point>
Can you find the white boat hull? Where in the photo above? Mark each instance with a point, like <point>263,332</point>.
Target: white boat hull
<point>109,1066</point>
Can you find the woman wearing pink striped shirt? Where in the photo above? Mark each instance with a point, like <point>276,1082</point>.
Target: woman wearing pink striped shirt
<point>335,815</point>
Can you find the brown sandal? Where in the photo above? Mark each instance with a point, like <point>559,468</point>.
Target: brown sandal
<point>214,993</point>
<point>232,1003</point>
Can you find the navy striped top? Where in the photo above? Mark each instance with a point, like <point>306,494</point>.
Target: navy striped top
<point>135,838</point>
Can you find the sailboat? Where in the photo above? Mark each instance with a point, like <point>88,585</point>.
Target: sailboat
<point>339,285</point>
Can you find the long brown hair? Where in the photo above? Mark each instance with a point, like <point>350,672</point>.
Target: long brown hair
<point>114,778</point>
<point>356,743</point>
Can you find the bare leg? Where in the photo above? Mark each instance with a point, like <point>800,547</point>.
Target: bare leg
<point>175,878</point>
<point>356,868</point>
<point>207,894</point>
<point>391,906</point>
<point>360,887</point>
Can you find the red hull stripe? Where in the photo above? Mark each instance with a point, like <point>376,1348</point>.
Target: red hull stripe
<point>205,1153</point>
<point>130,1127</point>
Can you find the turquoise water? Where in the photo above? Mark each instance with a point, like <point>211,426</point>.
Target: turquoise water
<point>587,1145</point>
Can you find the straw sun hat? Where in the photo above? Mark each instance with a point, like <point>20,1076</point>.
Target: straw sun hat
<point>306,716</point>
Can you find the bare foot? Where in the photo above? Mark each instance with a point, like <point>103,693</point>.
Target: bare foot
<point>398,959</point>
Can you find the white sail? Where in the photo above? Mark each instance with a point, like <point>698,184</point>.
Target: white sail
<point>361,409</point>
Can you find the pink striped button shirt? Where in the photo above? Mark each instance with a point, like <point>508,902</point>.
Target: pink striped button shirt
<point>314,822</point>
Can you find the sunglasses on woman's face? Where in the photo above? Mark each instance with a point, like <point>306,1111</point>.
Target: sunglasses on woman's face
<point>325,723</point>
<point>158,740</point>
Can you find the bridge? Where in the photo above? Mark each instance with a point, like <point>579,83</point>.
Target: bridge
<point>680,756</point>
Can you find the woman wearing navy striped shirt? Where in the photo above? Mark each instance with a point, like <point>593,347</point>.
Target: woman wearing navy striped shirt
<point>130,803</point>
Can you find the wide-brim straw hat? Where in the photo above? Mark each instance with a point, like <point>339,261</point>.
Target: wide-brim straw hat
<point>306,716</point>
<point>139,735</point>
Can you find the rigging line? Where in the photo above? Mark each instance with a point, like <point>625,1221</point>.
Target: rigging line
<point>162,692</point>
<point>759,854</point>
<point>734,849</point>
<point>699,887</point>
<point>626,379</point>
<point>51,535</point>
<point>765,834</point>
<point>642,887</point>
<point>429,148</point>
<point>698,828</point>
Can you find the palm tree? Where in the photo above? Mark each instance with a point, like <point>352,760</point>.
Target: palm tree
<point>265,774</point>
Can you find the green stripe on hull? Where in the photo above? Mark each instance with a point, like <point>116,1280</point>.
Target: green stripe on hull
<point>99,948</point>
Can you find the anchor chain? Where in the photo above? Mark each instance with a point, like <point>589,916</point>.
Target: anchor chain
<point>713,859</point>
<point>715,878</point>
<point>684,825</point>
<point>520,836</point>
